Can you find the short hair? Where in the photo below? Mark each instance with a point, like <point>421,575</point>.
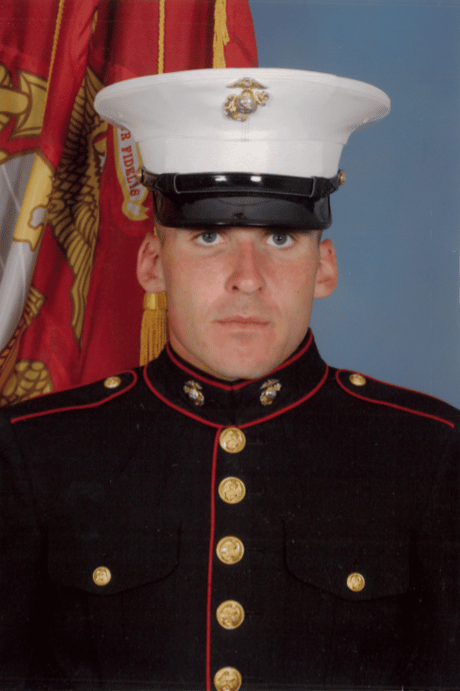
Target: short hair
<point>160,232</point>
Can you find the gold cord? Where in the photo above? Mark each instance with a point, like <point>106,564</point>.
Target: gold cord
<point>161,37</point>
<point>154,329</point>
<point>221,37</point>
<point>53,51</point>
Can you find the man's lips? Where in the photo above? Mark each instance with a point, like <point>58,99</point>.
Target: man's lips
<point>239,320</point>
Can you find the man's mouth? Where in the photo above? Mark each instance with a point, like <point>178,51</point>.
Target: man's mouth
<point>239,320</point>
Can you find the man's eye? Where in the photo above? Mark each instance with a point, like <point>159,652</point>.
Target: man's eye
<point>280,240</point>
<point>209,238</point>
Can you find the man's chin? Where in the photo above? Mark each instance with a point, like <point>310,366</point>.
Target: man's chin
<point>233,367</point>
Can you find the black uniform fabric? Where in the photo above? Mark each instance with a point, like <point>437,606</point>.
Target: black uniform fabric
<point>340,479</point>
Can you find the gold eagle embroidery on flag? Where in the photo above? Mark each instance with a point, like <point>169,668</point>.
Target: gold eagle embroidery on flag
<point>73,213</point>
<point>25,104</point>
<point>26,378</point>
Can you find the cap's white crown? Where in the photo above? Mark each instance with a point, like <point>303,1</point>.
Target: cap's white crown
<point>180,122</point>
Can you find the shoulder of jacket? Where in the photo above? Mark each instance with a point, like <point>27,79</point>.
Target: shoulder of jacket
<point>77,398</point>
<point>397,398</point>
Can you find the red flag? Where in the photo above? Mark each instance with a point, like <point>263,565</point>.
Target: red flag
<point>34,38</point>
<point>87,303</point>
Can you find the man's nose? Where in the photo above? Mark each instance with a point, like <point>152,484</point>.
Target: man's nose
<point>247,269</point>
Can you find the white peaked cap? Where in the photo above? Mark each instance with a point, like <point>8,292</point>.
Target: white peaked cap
<point>300,123</point>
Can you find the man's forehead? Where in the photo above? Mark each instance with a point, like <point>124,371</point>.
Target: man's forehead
<point>245,147</point>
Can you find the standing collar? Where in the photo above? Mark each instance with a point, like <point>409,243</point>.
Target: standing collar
<point>243,402</point>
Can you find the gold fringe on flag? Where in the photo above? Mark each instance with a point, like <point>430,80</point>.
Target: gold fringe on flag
<point>154,327</point>
<point>153,330</point>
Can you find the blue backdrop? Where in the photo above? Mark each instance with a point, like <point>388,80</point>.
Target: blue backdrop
<point>395,312</point>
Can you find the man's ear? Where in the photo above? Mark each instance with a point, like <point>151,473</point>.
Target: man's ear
<point>326,277</point>
<point>149,265</point>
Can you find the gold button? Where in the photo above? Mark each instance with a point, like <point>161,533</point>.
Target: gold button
<point>232,440</point>
<point>356,582</point>
<point>230,550</point>
<point>342,177</point>
<point>357,379</point>
<point>227,679</point>
<point>232,490</point>
<point>112,382</point>
<point>230,614</point>
<point>102,575</point>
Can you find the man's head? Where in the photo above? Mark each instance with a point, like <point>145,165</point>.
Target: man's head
<point>239,299</point>
<point>241,182</point>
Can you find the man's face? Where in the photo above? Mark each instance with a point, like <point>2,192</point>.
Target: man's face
<point>239,300</point>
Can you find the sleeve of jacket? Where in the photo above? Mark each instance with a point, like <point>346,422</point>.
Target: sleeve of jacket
<point>20,545</point>
<point>435,621</point>
<point>428,519</point>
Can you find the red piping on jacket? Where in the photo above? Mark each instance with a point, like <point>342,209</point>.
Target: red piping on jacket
<point>291,406</point>
<point>230,387</point>
<point>212,525</point>
<point>246,424</point>
<point>392,405</point>
<point>41,413</point>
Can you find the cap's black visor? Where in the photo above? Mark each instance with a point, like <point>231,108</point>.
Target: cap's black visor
<point>206,200</point>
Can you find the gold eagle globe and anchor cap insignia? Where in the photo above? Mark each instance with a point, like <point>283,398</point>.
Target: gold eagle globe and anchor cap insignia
<point>241,106</point>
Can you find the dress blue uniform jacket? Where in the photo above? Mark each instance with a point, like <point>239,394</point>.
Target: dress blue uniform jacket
<point>138,552</point>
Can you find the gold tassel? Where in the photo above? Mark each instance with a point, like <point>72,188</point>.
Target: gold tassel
<point>221,37</point>
<point>153,329</point>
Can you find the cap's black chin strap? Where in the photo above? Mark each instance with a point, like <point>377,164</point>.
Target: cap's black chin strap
<point>241,183</point>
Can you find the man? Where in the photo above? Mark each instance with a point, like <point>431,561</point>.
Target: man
<point>236,514</point>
